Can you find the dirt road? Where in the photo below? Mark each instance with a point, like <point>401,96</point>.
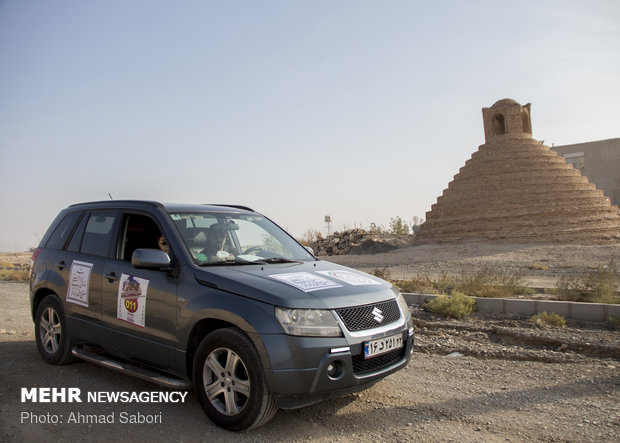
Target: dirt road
<point>436,398</point>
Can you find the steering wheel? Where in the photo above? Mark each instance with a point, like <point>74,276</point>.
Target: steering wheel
<point>252,249</point>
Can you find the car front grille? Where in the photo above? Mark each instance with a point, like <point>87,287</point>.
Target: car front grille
<point>362,366</point>
<point>360,318</point>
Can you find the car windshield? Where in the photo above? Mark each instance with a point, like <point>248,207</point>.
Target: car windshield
<point>222,238</point>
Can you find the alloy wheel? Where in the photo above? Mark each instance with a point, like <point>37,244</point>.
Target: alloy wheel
<point>226,381</point>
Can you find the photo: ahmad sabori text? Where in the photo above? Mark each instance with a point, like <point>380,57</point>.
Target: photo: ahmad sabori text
<point>76,417</point>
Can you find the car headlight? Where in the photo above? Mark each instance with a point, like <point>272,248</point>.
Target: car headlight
<point>403,305</point>
<point>308,322</point>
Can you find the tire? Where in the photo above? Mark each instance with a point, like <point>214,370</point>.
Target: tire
<point>50,331</point>
<point>230,381</point>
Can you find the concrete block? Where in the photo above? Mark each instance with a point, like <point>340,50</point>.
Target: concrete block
<point>412,299</point>
<point>427,297</point>
<point>524,307</point>
<point>589,311</point>
<point>417,299</point>
<point>484,304</point>
<point>613,311</point>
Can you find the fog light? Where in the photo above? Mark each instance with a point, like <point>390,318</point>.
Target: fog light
<point>334,370</point>
<point>331,370</point>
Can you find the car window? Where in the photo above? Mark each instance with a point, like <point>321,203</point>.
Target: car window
<point>252,235</point>
<point>78,233</point>
<point>193,229</point>
<point>96,238</point>
<point>62,232</point>
<point>139,231</point>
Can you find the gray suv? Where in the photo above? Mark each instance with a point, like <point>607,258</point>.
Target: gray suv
<point>214,296</point>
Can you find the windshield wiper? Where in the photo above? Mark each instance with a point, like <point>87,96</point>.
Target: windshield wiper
<point>280,260</point>
<point>236,261</point>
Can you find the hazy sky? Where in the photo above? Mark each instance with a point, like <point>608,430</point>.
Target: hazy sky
<point>362,110</point>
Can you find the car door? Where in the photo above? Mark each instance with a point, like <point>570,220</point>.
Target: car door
<point>81,266</point>
<point>139,305</point>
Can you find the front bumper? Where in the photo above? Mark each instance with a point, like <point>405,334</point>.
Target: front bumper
<point>334,370</point>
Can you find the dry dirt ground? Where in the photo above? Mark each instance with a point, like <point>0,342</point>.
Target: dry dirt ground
<point>541,264</point>
<point>511,382</point>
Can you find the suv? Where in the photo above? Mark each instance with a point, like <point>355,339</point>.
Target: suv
<point>217,296</point>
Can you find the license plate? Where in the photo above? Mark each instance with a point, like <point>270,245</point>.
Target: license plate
<point>382,345</point>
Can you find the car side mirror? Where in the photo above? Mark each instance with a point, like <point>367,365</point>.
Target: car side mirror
<point>309,249</point>
<point>150,259</point>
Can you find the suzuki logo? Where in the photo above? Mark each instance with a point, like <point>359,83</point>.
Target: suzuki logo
<point>377,314</point>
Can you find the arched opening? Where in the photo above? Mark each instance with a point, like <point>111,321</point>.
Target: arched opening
<point>525,121</point>
<point>499,126</point>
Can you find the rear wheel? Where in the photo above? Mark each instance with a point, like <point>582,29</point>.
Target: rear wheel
<point>51,335</point>
<point>230,381</point>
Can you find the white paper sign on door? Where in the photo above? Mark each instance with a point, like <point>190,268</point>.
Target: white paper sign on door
<point>132,299</point>
<point>79,281</point>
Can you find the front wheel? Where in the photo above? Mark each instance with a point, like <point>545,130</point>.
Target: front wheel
<point>50,331</point>
<point>230,381</point>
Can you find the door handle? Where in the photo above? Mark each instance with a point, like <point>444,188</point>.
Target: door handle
<point>112,277</point>
<point>61,265</point>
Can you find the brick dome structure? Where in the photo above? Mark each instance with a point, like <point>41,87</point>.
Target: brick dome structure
<point>514,188</point>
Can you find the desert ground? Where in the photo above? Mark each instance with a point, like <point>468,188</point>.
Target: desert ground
<point>434,259</point>
<point>483,379</point>
<point>486,378</point>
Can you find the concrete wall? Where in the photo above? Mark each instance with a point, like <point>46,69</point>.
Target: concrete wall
<point>596,312</point>
<point>600,163</point>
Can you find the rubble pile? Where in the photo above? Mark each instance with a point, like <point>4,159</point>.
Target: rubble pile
<point>358,241</point>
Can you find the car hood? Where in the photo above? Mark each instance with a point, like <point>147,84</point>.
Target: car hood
<point>317,284</point>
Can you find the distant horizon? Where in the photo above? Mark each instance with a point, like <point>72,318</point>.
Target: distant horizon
<point>344,226</point>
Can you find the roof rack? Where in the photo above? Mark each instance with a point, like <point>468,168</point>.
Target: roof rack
<point>117,202</point>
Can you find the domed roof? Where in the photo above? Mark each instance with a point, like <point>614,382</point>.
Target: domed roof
<point>504,102</point>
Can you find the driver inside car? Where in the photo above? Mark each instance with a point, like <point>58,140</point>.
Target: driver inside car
<point>216,238</point>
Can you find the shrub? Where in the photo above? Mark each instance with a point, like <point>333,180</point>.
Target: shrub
<point>489,283</point>
<point>482,283</point>
<point>598,286</point>
<point>398,226</point>
<point>601,285</point>
<point>548,319</point>
<point>445,284</point>
<point>419,283</point>
<point>376,230</point>
<point>569,288</point>
<point>383,273</point>
<point>455,305</point>
<point>8,272</point>
<point>310,236</point>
